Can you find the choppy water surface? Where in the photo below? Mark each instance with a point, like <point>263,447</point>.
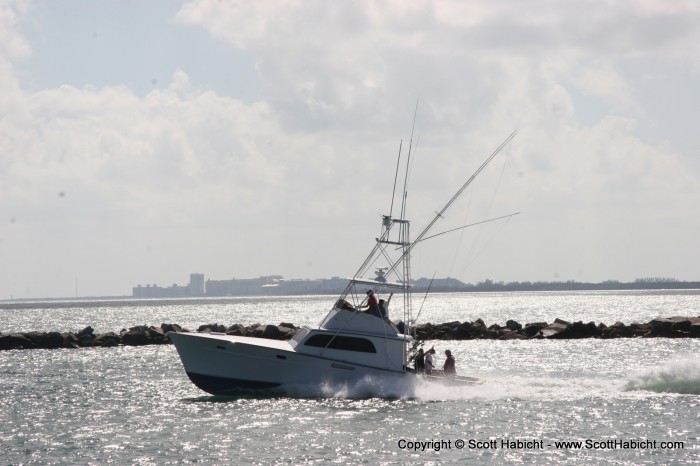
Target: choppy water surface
<point>136,406</point>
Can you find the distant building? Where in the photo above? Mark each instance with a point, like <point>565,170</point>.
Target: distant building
<point>193,289</point>
<point>155,291</point>
<point>244,286</point>
<point>196,286</point>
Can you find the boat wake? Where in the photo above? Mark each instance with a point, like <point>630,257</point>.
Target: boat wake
<point>515,388</point>
<point>682,377</point>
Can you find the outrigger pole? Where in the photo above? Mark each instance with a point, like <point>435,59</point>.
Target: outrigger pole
<point>439,215</point>
<point>408,245</point>
<point>470,225</point>
<point>396,176</point>
<point>464,186</point>
<point>408,165</point>
<point>425,297</point>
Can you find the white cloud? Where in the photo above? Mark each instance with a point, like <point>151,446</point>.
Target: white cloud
<point>13,46</point>
<point>183,179</point>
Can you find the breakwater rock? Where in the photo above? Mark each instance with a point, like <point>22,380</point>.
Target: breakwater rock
<point>661,327</point>
<point>139,335</point>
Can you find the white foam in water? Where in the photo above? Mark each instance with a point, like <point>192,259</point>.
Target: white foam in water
<point>367,387</point>
<point>488,389</point>
<point>682,376</point>
<point>518,388</point>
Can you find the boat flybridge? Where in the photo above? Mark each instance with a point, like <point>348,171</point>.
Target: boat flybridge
<point>353,341</point>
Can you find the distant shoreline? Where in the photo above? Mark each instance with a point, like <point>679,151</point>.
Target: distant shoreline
<point>419,287</point>
<point>580,286</point>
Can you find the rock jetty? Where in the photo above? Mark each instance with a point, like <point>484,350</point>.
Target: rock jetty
<point>661,327</point>
<point>666,327</point>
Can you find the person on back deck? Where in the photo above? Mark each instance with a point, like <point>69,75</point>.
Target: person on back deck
<point>384,307</point>
<point>429,361</point>
<point>372,305</point>
<point>449,368</point>
<point>420,361</point>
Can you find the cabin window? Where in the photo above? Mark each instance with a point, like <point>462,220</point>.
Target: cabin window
<point>361,345</point>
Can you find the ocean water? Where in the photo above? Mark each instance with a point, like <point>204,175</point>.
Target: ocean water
<point>621,402</point>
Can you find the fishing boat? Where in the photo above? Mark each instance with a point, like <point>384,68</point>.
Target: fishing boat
<point>354,341</point>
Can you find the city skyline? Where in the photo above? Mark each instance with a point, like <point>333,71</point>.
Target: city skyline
<point>277,285</point>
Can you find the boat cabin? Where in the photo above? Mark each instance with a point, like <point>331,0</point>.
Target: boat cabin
<point>354,337</point>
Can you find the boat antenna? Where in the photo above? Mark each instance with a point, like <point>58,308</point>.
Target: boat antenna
<point>396,176</point>
<point>408,163</point>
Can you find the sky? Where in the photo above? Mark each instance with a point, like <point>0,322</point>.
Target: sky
<point>144,141</point>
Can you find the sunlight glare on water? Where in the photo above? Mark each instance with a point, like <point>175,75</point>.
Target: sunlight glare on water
<point>135,405</point>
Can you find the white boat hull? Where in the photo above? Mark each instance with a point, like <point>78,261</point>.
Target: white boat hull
<point>223,365</point>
